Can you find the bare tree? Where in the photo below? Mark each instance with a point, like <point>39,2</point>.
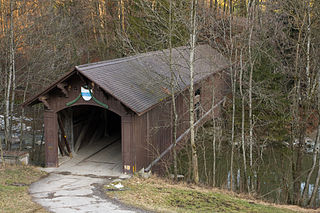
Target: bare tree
<point>316,153</point>
<point>173,88</point>
<point>10,78</point>
<point>251,19</point>
<point>214,136</point>
<point>193,35</point>
<point>233,75</point>
<point>243,122</point>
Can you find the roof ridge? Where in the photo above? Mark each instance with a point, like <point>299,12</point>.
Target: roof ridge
<point>127,58</point>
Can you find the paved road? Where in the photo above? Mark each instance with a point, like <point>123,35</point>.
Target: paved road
<point>64,193</point>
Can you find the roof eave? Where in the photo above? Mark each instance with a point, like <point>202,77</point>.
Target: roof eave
<point>35,99</point>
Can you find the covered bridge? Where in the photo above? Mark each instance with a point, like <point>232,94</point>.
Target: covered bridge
<point>127,100</point>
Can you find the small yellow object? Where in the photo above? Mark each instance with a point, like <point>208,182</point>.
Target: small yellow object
<point>65,136</point>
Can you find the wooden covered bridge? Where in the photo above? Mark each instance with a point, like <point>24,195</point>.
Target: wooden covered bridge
<point>127,100</point>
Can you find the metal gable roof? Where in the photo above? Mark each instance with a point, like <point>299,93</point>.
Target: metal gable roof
<point>142,81</point>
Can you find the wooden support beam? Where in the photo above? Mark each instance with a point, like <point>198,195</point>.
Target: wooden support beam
<point>51,137</point>
<point>62,86</point>
<point>61,148</point>
<point>63,136</point>
<point>44,99</point>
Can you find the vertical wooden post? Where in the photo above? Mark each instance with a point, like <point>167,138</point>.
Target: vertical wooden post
<point>126,137</point>
<point>51,138</point>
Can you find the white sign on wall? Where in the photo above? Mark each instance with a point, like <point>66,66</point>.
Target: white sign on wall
<point>86,94</point>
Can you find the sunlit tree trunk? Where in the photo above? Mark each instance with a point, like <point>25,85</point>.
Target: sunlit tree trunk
<point>13,66</point>
<point>243,7</point>
<point>121,8</point>
<point>9,79</point>
<point>216,5</point>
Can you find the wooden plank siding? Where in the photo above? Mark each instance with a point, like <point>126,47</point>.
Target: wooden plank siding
<point>153,130</point>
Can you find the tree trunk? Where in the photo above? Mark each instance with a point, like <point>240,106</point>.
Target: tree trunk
<point>314,162</point>
<point>9,80</point>
<point>1,153</point>
<point>308,46</point>
<point>205,161</point>
<point>297,125</point>
<point>22,111</point>
<point>316,152</point>
<point>251,17</point>
<point>233,81</point>
<point>193,25</point>
<point>297,174</point>
<point>121,15</point>
<point>309,92</point>
<point>242,126</point>
<point>214,137</point>
<point>243,7</point>
<point>13,90</point>
<point>174,108</point>
<point>233,75</point>
<point>315,189</point>
<point>1,148</point>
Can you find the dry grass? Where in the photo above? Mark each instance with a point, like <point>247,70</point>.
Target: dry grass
<point>14,184</point>
<point>165,196</point>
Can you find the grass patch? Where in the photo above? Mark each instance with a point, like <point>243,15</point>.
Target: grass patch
<point>14,184</point>
<point>162,196</point>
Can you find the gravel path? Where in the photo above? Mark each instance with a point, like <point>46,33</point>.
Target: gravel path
<point>64,193</point>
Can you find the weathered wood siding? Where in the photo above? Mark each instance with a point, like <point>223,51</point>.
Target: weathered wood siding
<point>152,132</point>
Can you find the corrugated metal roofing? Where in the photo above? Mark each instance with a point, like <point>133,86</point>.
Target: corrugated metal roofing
<point>141,81</point>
